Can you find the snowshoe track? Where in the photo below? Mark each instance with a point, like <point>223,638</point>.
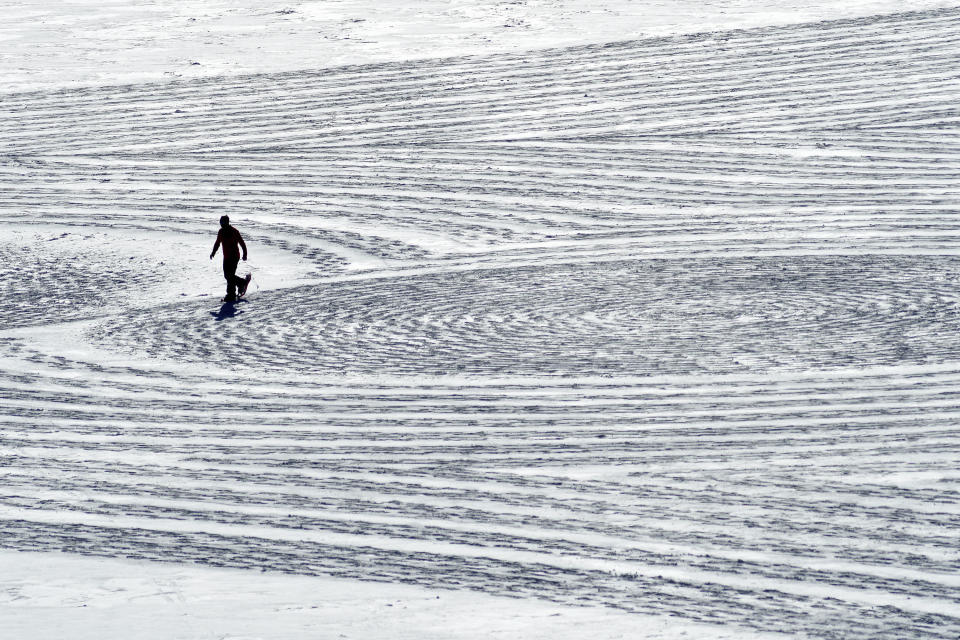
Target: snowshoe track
<point>665,325</point>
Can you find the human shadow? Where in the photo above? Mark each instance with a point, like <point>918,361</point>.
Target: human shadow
<point>227,311</point>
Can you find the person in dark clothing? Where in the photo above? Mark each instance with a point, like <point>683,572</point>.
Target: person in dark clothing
<point>232,242</point>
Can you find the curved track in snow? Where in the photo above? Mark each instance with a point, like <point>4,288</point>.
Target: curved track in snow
<point>667,325</point>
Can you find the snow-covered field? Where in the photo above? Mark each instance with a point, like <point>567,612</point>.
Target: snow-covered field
<point>568,320</point>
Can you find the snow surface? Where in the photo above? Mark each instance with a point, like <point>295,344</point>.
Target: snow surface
<point>47,596</point>
<point>610,320</point>
<point>94,42</point>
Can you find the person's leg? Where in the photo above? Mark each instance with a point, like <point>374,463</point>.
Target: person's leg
<point>230,273</point>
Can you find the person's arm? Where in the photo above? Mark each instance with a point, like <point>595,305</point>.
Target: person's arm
<point>216,245</point>
<point>242,245</point>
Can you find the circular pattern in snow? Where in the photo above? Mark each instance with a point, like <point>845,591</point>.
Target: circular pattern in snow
<point>624,318</point>
<point>53,277</point>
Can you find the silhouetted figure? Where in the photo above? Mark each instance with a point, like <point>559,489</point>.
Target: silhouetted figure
<point>232,242</point>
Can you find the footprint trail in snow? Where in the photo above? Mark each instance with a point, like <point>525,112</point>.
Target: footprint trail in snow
<point>668,326</point>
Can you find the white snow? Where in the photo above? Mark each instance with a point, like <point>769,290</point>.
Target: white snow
<point>96,42</point>
<point>53,596</point>
<point>555,331</point>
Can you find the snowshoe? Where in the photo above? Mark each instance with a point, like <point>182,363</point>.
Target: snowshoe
<point>243,287</point>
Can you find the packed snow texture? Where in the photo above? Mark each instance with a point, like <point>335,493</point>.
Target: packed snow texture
<point>629,320</point>
<point>95,42</point>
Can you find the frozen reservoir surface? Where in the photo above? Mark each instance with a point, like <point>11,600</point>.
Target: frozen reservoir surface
<point>568,320</point>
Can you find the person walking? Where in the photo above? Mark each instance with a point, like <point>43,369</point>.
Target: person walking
<point>232,242</point>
